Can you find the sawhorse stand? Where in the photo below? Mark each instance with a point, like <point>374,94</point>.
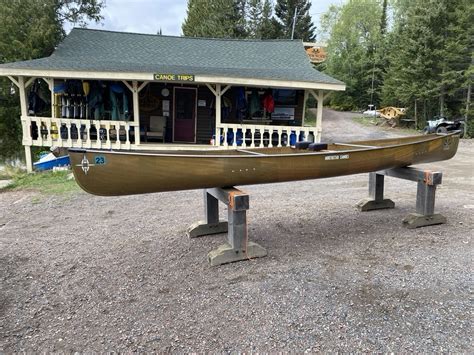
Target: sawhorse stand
<point>425,195</point>
<point>237,247</point>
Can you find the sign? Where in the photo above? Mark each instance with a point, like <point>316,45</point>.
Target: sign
<point>336,157</point>
<point>173,77</point>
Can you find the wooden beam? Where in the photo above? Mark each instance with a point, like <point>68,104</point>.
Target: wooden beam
<point>21,87</point>
<point>142,85</point>
<point>29,81</point>
<point>212,89</point>
<point>14,81</point>
<point>305,99</point>
<point>127,85</point>
<point>225,89</point>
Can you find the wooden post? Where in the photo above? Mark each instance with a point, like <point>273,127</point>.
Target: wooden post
<point>26,130</point>
<point>238,247</point>
<point>304,106</point>
<point>218,116</point>
<point>136,112</point>
<point>319,116</point>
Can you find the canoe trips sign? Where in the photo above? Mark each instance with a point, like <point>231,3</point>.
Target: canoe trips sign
<point>173,77</point>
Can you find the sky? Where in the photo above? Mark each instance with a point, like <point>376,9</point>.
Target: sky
<point>148,16</point>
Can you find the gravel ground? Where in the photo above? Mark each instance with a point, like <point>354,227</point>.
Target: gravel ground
<point>85,273</point>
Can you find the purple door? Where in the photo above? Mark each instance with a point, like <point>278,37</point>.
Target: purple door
<point>184,115</point>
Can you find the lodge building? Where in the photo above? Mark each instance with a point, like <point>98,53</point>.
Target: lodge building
<point>115,90</point>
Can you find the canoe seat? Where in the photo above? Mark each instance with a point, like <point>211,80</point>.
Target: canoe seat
<point>316,147</point>
<point>302,145</point>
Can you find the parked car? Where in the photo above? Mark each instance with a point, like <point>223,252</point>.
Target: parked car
<point>441,124</point>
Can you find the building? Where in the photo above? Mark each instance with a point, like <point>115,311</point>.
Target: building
<point>116,90</point>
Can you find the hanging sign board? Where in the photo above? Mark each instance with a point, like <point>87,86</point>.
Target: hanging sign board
<point>173,77</point>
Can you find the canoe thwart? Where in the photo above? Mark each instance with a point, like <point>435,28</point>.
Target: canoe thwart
<point>249,152</point>
<point>356,145</point>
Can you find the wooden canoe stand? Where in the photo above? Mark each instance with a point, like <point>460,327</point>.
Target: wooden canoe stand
<point>237,247</point>
<point>425,195</point>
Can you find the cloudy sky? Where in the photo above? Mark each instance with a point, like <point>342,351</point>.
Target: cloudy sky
<point>148,16</point>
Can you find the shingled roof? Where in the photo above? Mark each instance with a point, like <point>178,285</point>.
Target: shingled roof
<point>98,51</point>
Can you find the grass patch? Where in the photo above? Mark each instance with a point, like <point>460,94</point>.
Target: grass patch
<point>366,120</point>
<point>47,182</point>
<point>376,121</point>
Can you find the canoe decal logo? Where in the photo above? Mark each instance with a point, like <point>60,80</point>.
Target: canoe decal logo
<point>85,165</point>
<point>337,157</point>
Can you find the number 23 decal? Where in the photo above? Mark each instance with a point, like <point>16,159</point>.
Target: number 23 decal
<point>99,160</point>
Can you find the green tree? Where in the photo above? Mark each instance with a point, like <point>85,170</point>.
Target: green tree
<point>285,12</point>
<point>215,18</point>
<point>429,56</point>
<point>31,29</point>
<point>354,40</point>
<point>260,20</point>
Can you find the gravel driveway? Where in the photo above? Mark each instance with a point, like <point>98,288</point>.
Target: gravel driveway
<point>85,273</point>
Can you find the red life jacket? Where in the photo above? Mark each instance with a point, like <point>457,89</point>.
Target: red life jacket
<point>269,103</point>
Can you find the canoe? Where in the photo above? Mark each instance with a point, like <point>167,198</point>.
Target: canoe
<point>50,161</point>
<point>113,173</point>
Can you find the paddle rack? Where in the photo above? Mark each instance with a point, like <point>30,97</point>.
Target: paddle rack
<point>237,247</point>
<point>425,195</point>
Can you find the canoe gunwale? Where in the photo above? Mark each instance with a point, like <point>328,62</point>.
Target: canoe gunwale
<point>429,138</point>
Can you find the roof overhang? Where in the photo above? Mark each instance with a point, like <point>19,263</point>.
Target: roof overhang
<point>198,79</point>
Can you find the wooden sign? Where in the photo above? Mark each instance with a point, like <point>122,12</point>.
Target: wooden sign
<point>174,77</point>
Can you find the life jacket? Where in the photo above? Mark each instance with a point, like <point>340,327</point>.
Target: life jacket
<point>269,103</point>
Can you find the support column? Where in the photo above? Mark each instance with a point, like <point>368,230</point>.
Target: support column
<point>237,247</point>
<point>136,112</point>
<point>26,128</point>
<point>218,92</point>
<point>319,116</point>
<point>217,141</point>
<point>304,107</point>
<point>319,97</point>
<point>211,224</point>
<point>375,201</point>
<point>425,196</point>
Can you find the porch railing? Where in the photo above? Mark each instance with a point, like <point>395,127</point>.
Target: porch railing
<point>244,135</point>
<point>76,133</point>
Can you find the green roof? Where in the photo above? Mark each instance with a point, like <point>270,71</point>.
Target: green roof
<point>106,51</point>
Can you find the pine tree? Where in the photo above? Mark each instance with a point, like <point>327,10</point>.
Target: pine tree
<point>260,21</point>
<point>430,53</point>
<point>254,18</point>
<point>285,11</point>
<point>268,29</point>
<point>215,18</point>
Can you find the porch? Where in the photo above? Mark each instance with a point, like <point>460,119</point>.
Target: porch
<point>131,133</point>
<point>169,93</point>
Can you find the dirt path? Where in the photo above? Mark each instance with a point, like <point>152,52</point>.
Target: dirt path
<point>339,126</point>
<point>85,273</point>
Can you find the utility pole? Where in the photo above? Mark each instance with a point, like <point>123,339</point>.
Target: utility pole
<point>294,23</point>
